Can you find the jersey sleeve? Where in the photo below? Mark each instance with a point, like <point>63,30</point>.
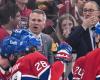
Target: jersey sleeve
<point>57,70</point>
<point>98,73</point>
<point>78,69</point>
<point>54,72</point>
<point>40,66</point>
<point>32,66</point>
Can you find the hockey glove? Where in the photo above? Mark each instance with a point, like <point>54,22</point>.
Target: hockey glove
<point>64,52</point>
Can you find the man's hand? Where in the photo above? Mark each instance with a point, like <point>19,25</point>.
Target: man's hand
<point>89,22</point>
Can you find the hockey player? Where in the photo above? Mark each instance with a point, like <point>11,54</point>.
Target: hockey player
<point>88,67</point>
<point>35,66</point>
<point>9,50</point>
<point>6,56</point>
<point>4,64</point>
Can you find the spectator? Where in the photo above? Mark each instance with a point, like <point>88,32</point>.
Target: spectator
<point>37,20</point>
<point>78,11</point>
<point>81,38</point>
<point>24,11</point>
<point>84,64</point>
<point>64,6</point>
<point>23,8</point>
<point>9,19</point>
<point>49,7</point>
<point>66,23</point>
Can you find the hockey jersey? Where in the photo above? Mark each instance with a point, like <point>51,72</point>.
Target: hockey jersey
<point>35,66</point>
<point>2,74</point>
<point>87,67</point>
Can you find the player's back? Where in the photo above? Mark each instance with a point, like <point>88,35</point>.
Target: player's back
<point>92,65</point>
<point>32,64</point>
<point>87,67</point>
<point>78,69</point>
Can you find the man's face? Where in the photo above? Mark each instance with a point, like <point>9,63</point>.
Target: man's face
<point>4,62</point>
<point>16,21</point>
<point>90,10</point>
<point>36,22</point>
<point>66,26</point>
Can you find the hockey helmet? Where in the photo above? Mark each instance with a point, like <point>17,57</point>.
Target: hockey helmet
<point>20,33</point>
<point>9,46</point>
<point>28,42</point>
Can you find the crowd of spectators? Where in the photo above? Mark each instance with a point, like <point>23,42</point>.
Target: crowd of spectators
<point>53,21</point>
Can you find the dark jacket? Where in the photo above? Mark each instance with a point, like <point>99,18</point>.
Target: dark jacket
<point>80,41</point>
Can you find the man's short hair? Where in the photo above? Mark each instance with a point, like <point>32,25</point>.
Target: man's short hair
<point>40,12</point>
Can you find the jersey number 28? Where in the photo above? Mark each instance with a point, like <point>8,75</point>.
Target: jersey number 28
<point>41,65</point>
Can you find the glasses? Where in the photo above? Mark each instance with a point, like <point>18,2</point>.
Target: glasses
<point>89,10</point>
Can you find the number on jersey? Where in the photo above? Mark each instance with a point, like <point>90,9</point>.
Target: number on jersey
<point>41,65</point>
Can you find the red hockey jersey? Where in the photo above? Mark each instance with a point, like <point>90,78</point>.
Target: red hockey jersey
<point>2,74</point>
<point>87,67</point>
<point>35,66</point>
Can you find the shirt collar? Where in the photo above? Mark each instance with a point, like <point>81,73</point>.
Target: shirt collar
<point>35,35</point>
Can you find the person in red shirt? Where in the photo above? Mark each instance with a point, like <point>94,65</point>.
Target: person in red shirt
<point>9,19</point>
